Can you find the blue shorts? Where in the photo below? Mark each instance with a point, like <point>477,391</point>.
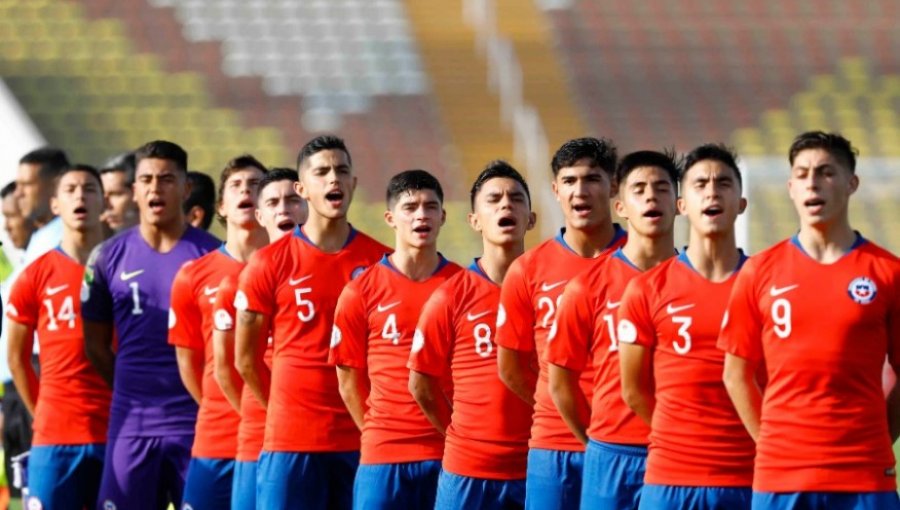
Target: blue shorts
<point>144,473</point>
<point>457,492</point>
<point>553,479</point>
<point>208,484</point>
<point>64,476</point>
<point>886,500</point>
<point>671,497</point>
<point>401,486</point>
<point>320,480</point>
<point>243,488</point>
<point>613,476</point>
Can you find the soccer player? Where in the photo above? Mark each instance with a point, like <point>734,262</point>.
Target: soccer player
<point>583,182</point>
<point>487,437</point>
<point>127,287</point>
<point>311,445</point>
<point>35,178</point>
<point>279,210</point>
<point>373,332</point>
<point>700,455</point>
<point>585,336</point>
<point>200,204</point>
<point>209,478</point>
<point>118,180</point>
<point>18,227</point>
<point>71,410</point>
<point>819,313</point>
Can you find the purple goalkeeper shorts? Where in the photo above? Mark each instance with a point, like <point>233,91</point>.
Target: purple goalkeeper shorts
<point>144,473</point>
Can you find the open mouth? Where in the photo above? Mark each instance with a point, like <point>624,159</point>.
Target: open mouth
<point>156,204</point>
<point>712,211</point>
<point>582,208</point>
<point>653,213</point>
<point>81,210</point>
<point>286,225</point>
<point>507,222</point>
<point>245,204</point>
<point>335,196</point>
<point>422,229</point>
<point>814,202</point>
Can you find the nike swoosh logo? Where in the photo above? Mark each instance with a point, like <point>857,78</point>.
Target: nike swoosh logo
<point>547,287</point>
<point>128,276</point>
<point>209,292</point>
<point>56,290</point>
<point>612,305</point>
<point>775,291</point>
<point>474,317</point>
<point>292,282</point>
<point>384,308</point>
<point>675,309</point>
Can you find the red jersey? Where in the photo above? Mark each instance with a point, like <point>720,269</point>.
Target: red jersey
<point>253,415</point>
<point>529,298</point>
<point>190,326</point>
<point>489,429</point>
<point>297,285</point>
<point>585,337</point>
<point>73,400</point>
<point>697,437</point>
<point>373,330</point>
<point>822,331</point>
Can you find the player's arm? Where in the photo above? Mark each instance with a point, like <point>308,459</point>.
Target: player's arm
<point>570,400</point>
<point>744,391</point>
<point>97,317</point>
<point>226,375</point>
<point>20,346</point>
<point>516,362</point>
<point>354,389</point>
<point>426,389</point>
<point>98,339</point>
<point>249,353</point>
<point>190,368</point>
<point>893,359</point>
<point>349,338</point>
<point>636,341</point>
<point>636,378</point>
<point>517,372</point>
<point>185,333</point>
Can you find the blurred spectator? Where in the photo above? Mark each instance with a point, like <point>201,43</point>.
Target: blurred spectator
<point>118,177</point>
<point>199,208</point>
<point>18,227</point>
<point>34,187</point>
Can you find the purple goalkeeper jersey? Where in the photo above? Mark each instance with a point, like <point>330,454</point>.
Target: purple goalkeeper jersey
<point>128,284</point>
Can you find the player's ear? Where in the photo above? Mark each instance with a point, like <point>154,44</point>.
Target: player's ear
<point>619,206</point>
<point>54,205</point>
<point>742,206</point>
<point>389,218</point>
<point>443,216</point>
<point>300,188</point>
<point>472,218</point>
<point>679,203</point>
<point>532,220</point>
<point>258,216</point>
<point>854,183</point>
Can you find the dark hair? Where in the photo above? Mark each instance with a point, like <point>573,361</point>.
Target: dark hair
<point>203,194</point>
<point>77,168</point>
<point>50,160</point>
<point>836,145</point>
<point>242,162</point>
<point>665,160</point>
<point>319,144</point>
<point>277,174</point>
<point>124,163</point>
<point>495,169</point>
<point>8,190</point>
<point>601,152</point>
<point>161,149</point>
<point>715,152</point>
<point>412,180</point>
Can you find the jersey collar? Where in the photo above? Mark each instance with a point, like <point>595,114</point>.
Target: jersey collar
<point>618,233</point>
<point>386,261</point>
<point>475,267</point>
<point>860,240</point>
<point>298,232</point>
<point>683,258</point>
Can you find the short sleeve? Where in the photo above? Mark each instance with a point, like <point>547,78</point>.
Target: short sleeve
<point>741,333</point>
<point>256,286</point>
<point>96,298</point>
<point>634,323</point>
<point>350,332</point>
<point>223,310</point>
<point>435,333</point>
<point>24,306</point>
<point>568,344</point>
<point>515,317</point>
<point>184,312</point>
<point>893,326</point>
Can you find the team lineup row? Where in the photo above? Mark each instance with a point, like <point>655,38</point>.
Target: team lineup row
<point>314,367</point>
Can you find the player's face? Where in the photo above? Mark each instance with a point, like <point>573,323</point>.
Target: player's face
<point>78,201</point>
<point>820,187</point>
<point>583,191</point>
<point>238,200</point>
<point>416,217</point>
<point>121,211</point>
<point>160,188</point>
<point>327,183</point>
<point>280,209</point>
<point>18,228</point>
<point>502,212</point>
<point>711,197</point>
<point>31,191</point>
<point>647,201</point>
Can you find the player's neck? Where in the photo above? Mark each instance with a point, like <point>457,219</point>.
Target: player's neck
<point>592,242</point>
<point>163,238</point>
<point>414,263</point>
<point>646,252</point>
<point>827,242</point>
<point>497,258</point>
<point>328,234</point>
<point>241,242</point>
<point>78,244</point>
<point>714,257</point>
